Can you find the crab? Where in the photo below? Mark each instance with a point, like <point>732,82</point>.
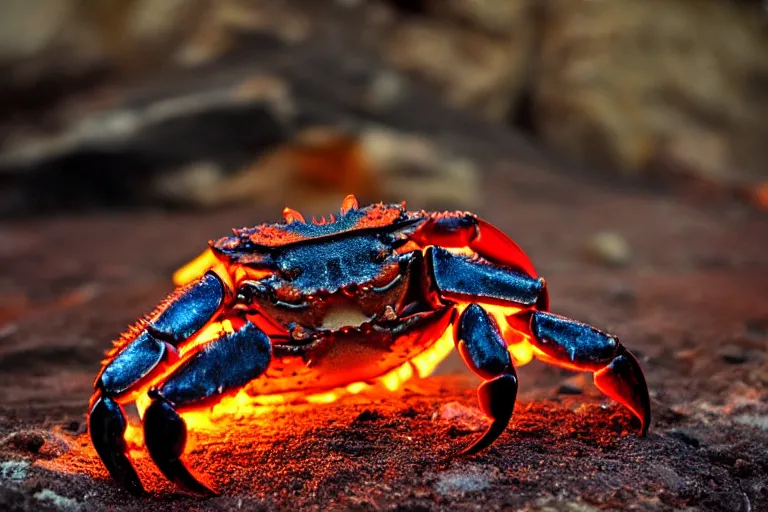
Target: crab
<point>312,305</point>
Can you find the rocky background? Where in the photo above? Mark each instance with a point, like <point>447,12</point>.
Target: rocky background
<point>211,102</point>
<point>620,142</point>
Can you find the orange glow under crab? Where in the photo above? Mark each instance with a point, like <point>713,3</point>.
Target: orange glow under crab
<point>240,404</point>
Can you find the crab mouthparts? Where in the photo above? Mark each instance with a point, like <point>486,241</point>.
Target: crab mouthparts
<point>344,315</point>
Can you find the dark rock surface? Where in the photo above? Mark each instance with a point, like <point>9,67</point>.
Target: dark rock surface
<point>690,302</point>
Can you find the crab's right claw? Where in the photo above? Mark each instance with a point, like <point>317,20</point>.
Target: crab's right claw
<point>623,380</point>
<point>142,353</point>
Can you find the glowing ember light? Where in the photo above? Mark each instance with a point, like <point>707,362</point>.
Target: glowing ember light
<point>134,439</point>
<point>426,362</point>
<point>522,353</point>
<point>242,405</point>
<point>760,195</point>
<point>391,381</point>
<point>142,402</point>
<point>517,343</point>
<point>323,398</point>
<point>210,332</point>
<point>462,251</point>
<point>357,387</point>
<point>195,268</point>
<point>265,399</point>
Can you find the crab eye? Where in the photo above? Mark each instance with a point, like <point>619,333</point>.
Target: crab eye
<point>249,290</point>
<point>289,274</point>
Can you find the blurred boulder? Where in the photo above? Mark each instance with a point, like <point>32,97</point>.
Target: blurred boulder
<point>320,165</point>
<point>172,146</point>
<point>639,86</point>
<point>44,38</point>
<point>656,85</point>
<point>419,171</point>
<point>228,22</point>
<point>476,53</point>
<point>54,40</point>
<point>57,47</point>
<point>186,99</point>
<point>497,17</point>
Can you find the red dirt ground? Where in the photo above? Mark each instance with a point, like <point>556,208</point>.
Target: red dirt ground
<point>691,302</point>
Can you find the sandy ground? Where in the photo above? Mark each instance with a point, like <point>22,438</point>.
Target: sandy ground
<point>690,302</point>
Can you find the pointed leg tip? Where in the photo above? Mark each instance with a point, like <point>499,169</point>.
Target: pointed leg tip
<point>135,488</point>
<point>185,480</point>
<point>496,398</point>
<point>473,449</point>
<point>624,381</point>
<point>121,470</point>
<point>645,420</point>
<point>106,427</point>
<point>469,451</point>
<point>494,430</point>
<point>165,435</point>
<point>211,493</point>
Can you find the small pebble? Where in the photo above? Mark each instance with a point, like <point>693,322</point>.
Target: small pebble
<point>757,326</point>
<point>37,442</point>
<point>609,248</point>
<point>14,470</point>
<point>8,330</point>
<point>385,90</point>
<point>60,502</point>
<point>464,418</point>
<point>29,441</point>
<point>733,354</point>
<point>569,389</point>
<point>368,415</point>
<point>685,436</point>
<point>623,295</point>
<point>452,482</point>
<point>687,355</point>
<point>753,420</point>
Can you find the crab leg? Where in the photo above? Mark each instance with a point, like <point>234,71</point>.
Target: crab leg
<point>106,424</point>
<point>226,363</point>
<point>559,340</point>
<point>578,346</point>
<point>461,277</point>
<point>184,313</point>
<point>483,349</point>
<point>478,337</point>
